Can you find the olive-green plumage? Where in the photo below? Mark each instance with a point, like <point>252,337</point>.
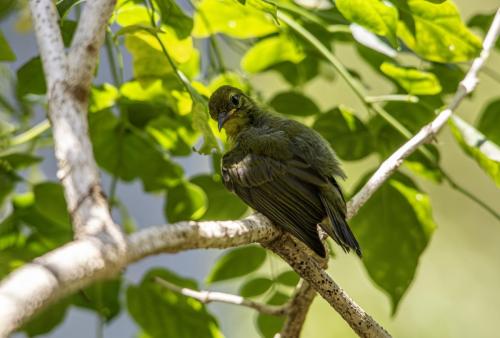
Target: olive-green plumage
<point>282,169</point>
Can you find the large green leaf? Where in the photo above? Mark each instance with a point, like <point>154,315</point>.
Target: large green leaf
<point>161,312</point>
<point>374,15</point>
<point>236,263</point>
<point>347,134</point>
<point>269,326</point>
<point>436,31</point>
<point>127,152</point>
<point>483,22</point>
<point>289,278</point>
<point>393,228</point>
<point>172,15</point>
<point>271,51</point>
<point>414,81</point>
<point>232,18</point>
<point>222,205</point>
<point>489,122</point>
<point>173,134</point>
<point>294,103</point>
<point>6,53</point>
<point>50,203</point>
<point>185,201</point>
<point>101,297</point>
<point>477,146</point>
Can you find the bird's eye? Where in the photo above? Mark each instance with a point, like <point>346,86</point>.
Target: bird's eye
<point>235,100</point>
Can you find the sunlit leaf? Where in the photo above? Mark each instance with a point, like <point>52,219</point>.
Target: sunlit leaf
<point>375,15</point>
<point>232,18</point>
<point>172,15</point>
<point>392,249</point>
<point>436,31</point>
<point>477,146</point>
<point>230,265</point>
<point>271,51</point>
<point>414,81</point>
<point>102,97</point>
<point>201,123</point>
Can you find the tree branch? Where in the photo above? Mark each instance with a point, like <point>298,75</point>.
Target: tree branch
<point>48,278</point>
<point>297,311</point>
<point>211,296</point>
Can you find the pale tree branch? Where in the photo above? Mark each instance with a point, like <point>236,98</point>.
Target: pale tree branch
<point>97,254</point>
<point>297,310</point>
<point>207,297</point>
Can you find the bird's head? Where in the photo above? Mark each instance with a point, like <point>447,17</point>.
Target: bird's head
<point>231,108</point>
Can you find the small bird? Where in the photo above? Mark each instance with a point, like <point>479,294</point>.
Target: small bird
<point>282,169</point>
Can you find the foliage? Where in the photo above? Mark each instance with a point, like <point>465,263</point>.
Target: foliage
<point>141,126</point>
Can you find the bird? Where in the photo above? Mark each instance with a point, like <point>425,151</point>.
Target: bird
<point>282,169</point>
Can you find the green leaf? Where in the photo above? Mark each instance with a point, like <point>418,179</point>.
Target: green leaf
<point>161,312</point>
<point>477,146</point>
<point>173,134</point>
<point>68,28</point>
<point>129,153</point>
<point>228,78</point>
<point>412,80</point>
<point>185,201</point>
<point>50,203</point>
<point>483,22</point>
<point>222,205</point>
<point>294,103</point>
<point>173,16</point>
<point>255,287</point>
<point>47,320</point>
<point>298,74</point>
<point>101,297</point>
<point>232,18</point>
<point>236,263</point>
<point>271,51</point>
<point>289,278</point>
<point>270,325</point>
<point>201,120</point>
<point>6,53</point>
<point>374,15</point>
<point>436,31</point>
<point>392,249</point>
<point>30,78</point>
<point>347,134</point>
<point>489,122</point>
<point>102,97</point>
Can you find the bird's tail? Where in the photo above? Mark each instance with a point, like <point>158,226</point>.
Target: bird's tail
<point>337,227</point>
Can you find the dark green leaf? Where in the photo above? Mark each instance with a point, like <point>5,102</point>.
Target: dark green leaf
<point>298,73</point>
<point>347,134</point>
<point>294,103</point>
<point>161,312</point>
<point>222,205</point>
<point>185,201</point>
<point>6,53</point>
<point>270,325</point>
<point>476,145</point>
<point>30,78</point>
<point>47,320</point>
<point>289,278</point>
<point>173,16</point>
<point>483,22</point>
<point>68,28</point>
<point>255,287</point>
<point>129,153</point>
<point>236,263</point>
<point>50,203</point>
<point>489,122</point>
<point>101,297</point>
<point>392,249</point>
<point>412,80</point>
<point>436,31</point>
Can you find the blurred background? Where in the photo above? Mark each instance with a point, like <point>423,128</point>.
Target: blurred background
<point>456,289</point>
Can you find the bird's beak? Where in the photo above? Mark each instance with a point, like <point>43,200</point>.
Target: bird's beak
<point>223,117</point>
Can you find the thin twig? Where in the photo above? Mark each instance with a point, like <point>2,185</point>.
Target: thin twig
<point>207,297</point>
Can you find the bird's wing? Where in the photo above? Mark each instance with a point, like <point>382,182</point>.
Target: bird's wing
<point>284,191</point>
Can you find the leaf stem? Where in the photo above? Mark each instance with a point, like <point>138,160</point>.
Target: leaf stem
<point>117,79</point>
<point>31,134</point>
